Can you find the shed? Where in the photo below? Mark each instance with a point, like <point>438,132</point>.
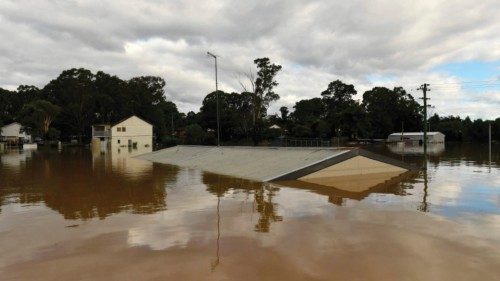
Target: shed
<point>14,133</point>
<point>432,137</point>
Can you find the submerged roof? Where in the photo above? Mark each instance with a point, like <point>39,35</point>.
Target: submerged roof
<point>415,133</point>
<point>261,163</point>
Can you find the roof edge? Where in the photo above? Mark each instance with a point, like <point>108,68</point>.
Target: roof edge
<point>335,159</point>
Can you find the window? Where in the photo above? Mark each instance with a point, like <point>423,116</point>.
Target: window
<point>119,129</point>
<point>118,141</point>
<point>124,129</point>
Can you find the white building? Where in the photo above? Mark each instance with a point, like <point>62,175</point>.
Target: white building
<point>130,132</point>
<point>416,137</point>
<point>276,127</point>
<point>13,133</point>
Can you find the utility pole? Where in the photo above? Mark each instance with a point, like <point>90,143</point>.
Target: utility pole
<point>489,143</point>
<point>217,97</point>
<point>424,89</point>
<point>172,115</point>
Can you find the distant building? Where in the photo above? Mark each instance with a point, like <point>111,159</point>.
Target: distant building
<point>13,133</point>
<point>132,132</point>
<point>416,137</point>
<point>275,127</point>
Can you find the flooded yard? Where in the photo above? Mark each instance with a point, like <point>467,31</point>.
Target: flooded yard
<point>77,215</point>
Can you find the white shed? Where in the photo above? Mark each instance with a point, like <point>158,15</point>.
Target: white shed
<point>13,133</point>
<point>432,137</point>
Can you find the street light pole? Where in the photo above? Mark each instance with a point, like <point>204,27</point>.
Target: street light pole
<point>217,97</point>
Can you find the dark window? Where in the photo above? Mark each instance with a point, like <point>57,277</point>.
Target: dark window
<point>124,129</point>
<point>118,141</point>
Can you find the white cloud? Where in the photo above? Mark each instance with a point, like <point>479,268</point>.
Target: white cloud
<point>315,41</point>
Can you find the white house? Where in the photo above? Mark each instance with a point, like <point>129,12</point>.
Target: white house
<point>131,132</point>
<point>13,133</point>
<point>432,137</point>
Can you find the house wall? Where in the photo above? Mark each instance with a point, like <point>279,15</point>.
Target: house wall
<point>13,131</point>
<point>136,131</point>
<point>134,127</point>
<point>121,141</point>
<point>105,133</point>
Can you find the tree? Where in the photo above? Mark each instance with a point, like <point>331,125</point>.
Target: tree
<point>284,113</point>
<point>308,111</point>
<point>343,113</point>
<point>11,102</point>
<point>387,110</point>
<point>262,90</point>
<point>74,91</point>
<point>234,113</point>
<point>38,115</point>
<point>194,134</point>
<point>111,99</point>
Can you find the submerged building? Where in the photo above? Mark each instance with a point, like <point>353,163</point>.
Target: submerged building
<point>130,132</point>
<point>416,137</point>
<point>355,169</point>
<point>13,133</point>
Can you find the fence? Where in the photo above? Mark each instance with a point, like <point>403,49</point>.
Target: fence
<point>301,142</point>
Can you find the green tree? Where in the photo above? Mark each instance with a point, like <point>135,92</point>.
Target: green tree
<point>74,91</point>
<point>262,90</point>
<point>11,102</point>
<point>38,116</point>
<point>147,99</point>
<point>234,113</point>
<point>308,111</point>
<point>343,113</point>
<point>388,110</point>
<point>194,134</point>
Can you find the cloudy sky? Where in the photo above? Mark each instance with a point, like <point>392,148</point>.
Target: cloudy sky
<point>453,45</point>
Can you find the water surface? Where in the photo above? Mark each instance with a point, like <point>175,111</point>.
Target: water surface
<point>77,215</point>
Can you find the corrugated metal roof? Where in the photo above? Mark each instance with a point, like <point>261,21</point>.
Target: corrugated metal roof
<point>261,163</point>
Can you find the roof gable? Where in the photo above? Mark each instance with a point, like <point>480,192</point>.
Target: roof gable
<point>12,124</point>
<point>132,118</point>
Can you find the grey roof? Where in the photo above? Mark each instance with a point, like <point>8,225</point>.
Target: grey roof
<point>125,119</point>
<point>415,133</point>
<point>13,123</point>
<point>259,163</point>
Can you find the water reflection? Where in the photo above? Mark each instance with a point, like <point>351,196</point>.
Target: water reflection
<point>217,227</point>
<point>263,194</point>
<point>121,159</point>
<point>434,149</point>
<point>397,185</point>
<point>80,185</point>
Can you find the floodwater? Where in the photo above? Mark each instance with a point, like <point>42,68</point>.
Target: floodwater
<point>78,215</point>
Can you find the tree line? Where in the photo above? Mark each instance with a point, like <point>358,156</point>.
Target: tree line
<point>67,106</point>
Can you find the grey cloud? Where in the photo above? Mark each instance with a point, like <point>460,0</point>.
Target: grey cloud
<point>316,41</point>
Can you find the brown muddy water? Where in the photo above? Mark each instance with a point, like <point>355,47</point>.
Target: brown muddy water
<point>75,215</point>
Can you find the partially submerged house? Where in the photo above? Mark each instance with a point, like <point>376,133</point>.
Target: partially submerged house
<point>130,132</point>
<point>354,169</point>
<point>13,133</point>
<point>416,137</point>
